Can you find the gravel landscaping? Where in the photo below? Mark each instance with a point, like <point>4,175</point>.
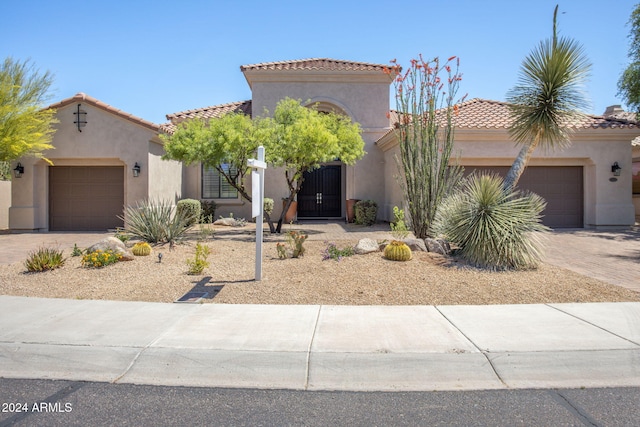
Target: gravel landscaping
<point>427,279</point>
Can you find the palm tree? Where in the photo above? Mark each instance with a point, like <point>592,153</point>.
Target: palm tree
<point>546,102</point>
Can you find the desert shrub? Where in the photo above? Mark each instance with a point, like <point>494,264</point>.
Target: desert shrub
<point>294,247</point>
<point>399,229</point>
<point>494,228</point>
<point>366,212</point>
<point>267,205</point>
<point>199,262</point>
<point>208,211</point>
<point>155,221</point>
<point>100,258</point>
<point>76,251</point>
<point>189,208</point>
<point>334,252</point>
<point>44,259</point>
<point>122,235</point>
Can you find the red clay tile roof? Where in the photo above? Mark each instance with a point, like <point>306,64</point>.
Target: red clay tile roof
<point>485,114</point>
<point>81,97</point>
<point>206,113</point>
<point>315,64</point>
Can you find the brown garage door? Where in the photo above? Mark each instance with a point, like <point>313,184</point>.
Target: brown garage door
<point>85,198</point>
<point>561,187</point>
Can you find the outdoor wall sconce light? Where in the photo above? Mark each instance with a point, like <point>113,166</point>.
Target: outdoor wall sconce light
<point>615,169</point>
<point>81,118</point>
<point>136,170</point>
<point>18,170</point>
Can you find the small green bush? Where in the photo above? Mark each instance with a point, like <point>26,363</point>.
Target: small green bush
<point>334,252</point>
<point>267,204</point>
<point>44,259</point>
<point>399,229</point>
<point>208,211</point>
<point>76,251</point>
<point>100,258</point>
<point>366,212</point>
<point>494,228</point>
<point>199,263</point>
<point>189,208</point>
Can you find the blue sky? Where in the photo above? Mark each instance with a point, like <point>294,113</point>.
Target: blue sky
<point>152,58</point>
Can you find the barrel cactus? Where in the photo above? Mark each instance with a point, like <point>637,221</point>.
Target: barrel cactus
<point>141,249</point>
<point>397,251</point>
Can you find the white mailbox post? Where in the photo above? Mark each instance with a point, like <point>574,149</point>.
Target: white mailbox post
<point>257,203</point>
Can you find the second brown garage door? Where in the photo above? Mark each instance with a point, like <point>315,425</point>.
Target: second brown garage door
<point>561,187</point>
<point>85,198</point>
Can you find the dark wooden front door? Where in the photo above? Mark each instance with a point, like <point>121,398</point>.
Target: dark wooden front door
<point>319,196</point>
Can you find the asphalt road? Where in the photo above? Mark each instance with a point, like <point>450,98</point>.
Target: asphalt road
<point>68,403</point>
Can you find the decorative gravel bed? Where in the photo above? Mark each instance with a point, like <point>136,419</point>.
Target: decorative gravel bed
<point>356,280</point>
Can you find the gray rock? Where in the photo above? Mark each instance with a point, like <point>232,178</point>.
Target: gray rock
<point>366,246</point>
<point>230,222</point>
<point>416,245</point>
<point>434,245</point>
<point>445,245</point>
<point>115,244</point>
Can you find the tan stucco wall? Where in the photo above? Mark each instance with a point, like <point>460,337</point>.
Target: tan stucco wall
<point>362,96</point>
<point>606,203</point>
<point>5,203</point>
<point>106,140</point>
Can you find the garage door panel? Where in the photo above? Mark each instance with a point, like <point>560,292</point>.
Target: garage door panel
<point>560,186</point>
<point>83,198</point>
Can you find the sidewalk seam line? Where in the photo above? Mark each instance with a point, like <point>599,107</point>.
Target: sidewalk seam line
<point>152,342</point>
<point>593,324</point>
<point>484,353</point>
<point>308,361</point>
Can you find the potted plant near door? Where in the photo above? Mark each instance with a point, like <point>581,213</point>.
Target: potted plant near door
<point>292,211</point>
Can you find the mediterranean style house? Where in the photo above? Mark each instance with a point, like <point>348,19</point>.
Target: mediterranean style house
<point>105,159</point>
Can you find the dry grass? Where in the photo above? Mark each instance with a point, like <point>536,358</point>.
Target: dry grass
<point>357,280</point>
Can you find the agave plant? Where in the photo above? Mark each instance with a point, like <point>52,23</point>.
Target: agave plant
<point>156,221</point>
<point>494,228</point>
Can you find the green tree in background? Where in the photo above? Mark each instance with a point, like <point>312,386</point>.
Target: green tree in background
<point>629,82</point>
<point>25,128</point>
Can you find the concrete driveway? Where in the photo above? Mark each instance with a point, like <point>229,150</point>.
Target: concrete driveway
<point>610,256</point>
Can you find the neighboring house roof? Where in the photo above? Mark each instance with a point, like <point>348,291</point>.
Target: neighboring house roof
<point>486,114</point>
<point>206,113</point>
<point>315,64</point>
<point>81,97</point>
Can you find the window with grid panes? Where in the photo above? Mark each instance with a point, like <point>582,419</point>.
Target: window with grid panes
<point>215,186</point>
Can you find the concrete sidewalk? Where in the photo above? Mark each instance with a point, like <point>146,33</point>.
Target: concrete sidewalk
<point>322,347</point>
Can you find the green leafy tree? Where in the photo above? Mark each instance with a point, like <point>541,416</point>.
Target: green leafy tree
<point>25,128</point>
<point>229,140</point>
<point>629,82</point>
<point>297,138</point>
<point>302,138</point>
<point>547,99</point>
<point>427,105</point>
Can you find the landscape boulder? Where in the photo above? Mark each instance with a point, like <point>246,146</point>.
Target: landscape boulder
<point>115,244</point>
<point>416,245</point>
<point>438,246</point>
<point>366,246</point>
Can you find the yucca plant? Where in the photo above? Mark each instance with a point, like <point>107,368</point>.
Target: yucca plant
<point>156,221</point>
<point>494,228</point>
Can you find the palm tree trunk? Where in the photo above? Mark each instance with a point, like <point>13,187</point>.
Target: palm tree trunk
<point>519,165</point>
